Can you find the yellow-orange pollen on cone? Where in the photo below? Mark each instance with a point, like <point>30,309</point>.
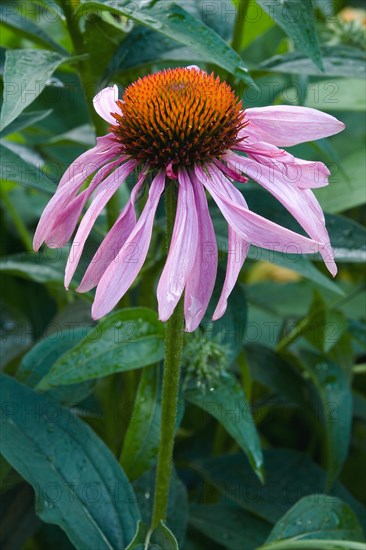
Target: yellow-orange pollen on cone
<point>179,117</point>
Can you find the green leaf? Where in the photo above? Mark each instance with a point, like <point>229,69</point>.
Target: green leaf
<point>142,439</point>
<point>336,407</point>
<point>126,340</point>
<point>144,46</point>
<point>270,369</point>
<point>15,168</point>
<point>318,517</point>
<point>289,475</point>
<point>44,267</point>
<point>37,362</point>
<point>160,539</point>
<point>26,27</point>
<point>226,402</point>
<point>297,19</point>
<point>338,61</point>
<point>78,483</point>
<point>175,22</point>
<point>24,121</point>
<point>314,544</point>
<point>229,525</point>
<point>348,239</point>
<point>347,191</point>
<point>26,73</point>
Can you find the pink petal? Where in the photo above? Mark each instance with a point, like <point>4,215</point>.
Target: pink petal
<point>287,125</point>
<point>64,223</point>
<point>238,249</point>
<point>54,209</point>
<point>201,280</point>
<point>91,160</point>
<point>182,251</point>
<point>113,242</point>
<point>303,206</point>
<point>250,226</point>
<point>105,191</point>
<point>105,103</point>
<point>121,273</point>
<point>302,173</point>
<point>70,183</point>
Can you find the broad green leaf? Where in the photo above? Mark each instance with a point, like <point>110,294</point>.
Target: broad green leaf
<point>348,191</point>
<point>226,402</point>
<point>78,483</point>
<point>26,73</point>
<point>37,362</point>
<point>297,19</point>
<point>142,439</point>
<point>276,373</point>
<point>348,239</point>
<point>290,475</point>
<point>336,408</point>
<point>338,94</point>
<point>145,46</point>
<point>318,517</point>
<point>24,120</point>
<point>315,544</point>
<point>15,168</point>
<point>126,340</point>
<point>175,22</point>
<point>338,61</point>
<point>229,525</point>
<point>44,267</point>
<point>27,28</point>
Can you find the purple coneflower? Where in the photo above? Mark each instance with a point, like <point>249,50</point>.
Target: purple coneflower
<point>186,125</point>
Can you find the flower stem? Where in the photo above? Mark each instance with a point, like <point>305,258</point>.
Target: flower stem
<point>173,354</point>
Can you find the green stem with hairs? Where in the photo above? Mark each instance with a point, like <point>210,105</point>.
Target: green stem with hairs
<point>89,86</point>
<point>173,355</point>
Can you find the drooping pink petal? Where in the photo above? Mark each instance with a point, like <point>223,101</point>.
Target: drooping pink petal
<point>301,203</point>
<point>201,279</point>
<point>54,209</point>
<point>113,242</point>
<point>182,250</point>
<point>302,173</point>
<point>238,249</point>
<point>88,162</point>
<point>287,125</point>
<point>250,226</point>
<point>121,273</point>
<point>105,103</point>
<point>104,192</point>
<point>64,223</point>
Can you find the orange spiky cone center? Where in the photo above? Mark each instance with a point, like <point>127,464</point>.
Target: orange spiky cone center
<point>178,116</point>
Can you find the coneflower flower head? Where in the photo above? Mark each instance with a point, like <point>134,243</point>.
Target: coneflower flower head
<point>186,125</point>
